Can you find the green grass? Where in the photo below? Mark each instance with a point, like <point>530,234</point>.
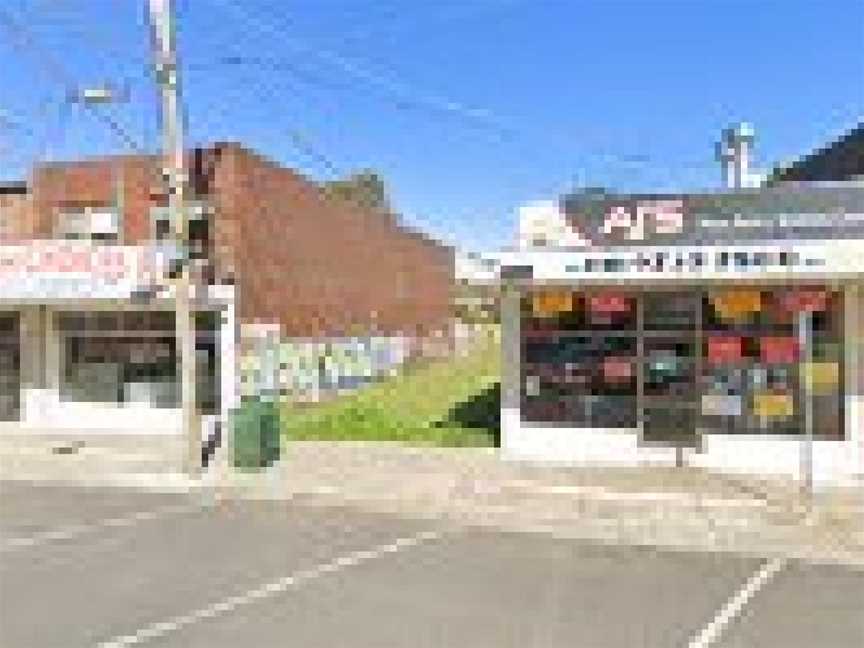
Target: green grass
<point>423,406</point>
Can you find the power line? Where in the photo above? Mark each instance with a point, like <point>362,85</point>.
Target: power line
<point>357,70</point>
<point>24,41</point>
<point>299,140</point>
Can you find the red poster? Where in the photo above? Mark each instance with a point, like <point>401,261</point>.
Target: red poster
<point>617,369</point>
<point>779,349</point>
<point>609,303</point>
<point>797,301</point>
<point>724,348</point>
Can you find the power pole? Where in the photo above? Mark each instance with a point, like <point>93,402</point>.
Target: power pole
<point>167,76</point>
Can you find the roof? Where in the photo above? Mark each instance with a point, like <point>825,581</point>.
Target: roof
<point>13,188</point>
<point>842,159</point>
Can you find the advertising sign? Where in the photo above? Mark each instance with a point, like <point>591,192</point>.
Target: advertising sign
<point>77,270</point>
<point>768,214</point>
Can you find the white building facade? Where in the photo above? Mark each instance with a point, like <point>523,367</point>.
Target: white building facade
<point>88,343</point>
<point>679,332</point>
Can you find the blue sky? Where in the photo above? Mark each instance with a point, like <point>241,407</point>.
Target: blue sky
<point>467,108</point>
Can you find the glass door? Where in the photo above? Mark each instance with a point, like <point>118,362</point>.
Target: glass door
<point>670,366</point>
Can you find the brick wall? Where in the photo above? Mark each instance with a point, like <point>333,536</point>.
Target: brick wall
<point>317,266</point>
<point>134,179</point>
<point>15,214</point>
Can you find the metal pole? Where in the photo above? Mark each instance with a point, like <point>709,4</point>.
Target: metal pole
<point>804,326</point>
<point>167,76</point>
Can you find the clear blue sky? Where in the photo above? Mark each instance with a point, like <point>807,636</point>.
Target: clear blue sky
<point>467,108</point>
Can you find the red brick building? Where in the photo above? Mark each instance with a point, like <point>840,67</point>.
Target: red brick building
<point>317,266</point>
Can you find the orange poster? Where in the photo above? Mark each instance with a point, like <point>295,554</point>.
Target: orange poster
<point>552,302</point>
<point>737,304</point>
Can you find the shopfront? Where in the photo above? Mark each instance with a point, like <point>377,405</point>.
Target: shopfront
<point>88,343</point>
<point>644,352</point>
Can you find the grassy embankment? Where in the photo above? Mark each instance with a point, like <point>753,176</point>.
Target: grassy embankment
<point>453,402</point>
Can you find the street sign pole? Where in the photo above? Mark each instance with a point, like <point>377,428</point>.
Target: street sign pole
<point>805,322</point>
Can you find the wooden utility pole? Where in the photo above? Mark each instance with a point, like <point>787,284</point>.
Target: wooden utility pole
<point>167,76</point>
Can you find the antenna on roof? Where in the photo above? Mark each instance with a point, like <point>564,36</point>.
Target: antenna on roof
<point>734,152</point>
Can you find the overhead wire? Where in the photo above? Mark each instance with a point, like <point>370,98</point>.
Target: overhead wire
<point>23,40</point>
<point>358,70</point>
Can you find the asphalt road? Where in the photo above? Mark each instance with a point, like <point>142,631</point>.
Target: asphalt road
<point>115,568</point>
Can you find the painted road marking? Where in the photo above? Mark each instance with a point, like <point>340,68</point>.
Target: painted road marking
<point>224,606</point>
<point>76,530</point>
<point>734,606</point>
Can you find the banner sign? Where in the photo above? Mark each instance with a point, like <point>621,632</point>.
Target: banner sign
<point>78,270</point>
<point>769,214</point>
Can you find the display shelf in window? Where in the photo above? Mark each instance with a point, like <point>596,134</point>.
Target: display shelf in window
<point>668,311</point>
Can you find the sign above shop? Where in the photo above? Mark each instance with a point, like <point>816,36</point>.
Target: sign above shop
<point>78,270</point>
<point>774,214</point>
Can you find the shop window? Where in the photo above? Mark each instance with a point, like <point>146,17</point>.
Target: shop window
<point>131,357</point>
<point>578,359</point>
<point>89,224</point>
<point>726,361</point>
<point>753,362</point>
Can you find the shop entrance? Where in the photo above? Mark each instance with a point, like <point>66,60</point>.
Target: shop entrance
<point>10,367</point>
<point>670,358</point>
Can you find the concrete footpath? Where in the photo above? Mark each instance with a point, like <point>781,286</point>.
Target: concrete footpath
<point>685,508</point>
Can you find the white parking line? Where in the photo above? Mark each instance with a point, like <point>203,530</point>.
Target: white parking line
<point>734,606</point>
<point>76,530</point>
<point>224,606</point>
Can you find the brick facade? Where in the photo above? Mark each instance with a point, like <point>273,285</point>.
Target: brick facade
<point>316,265</point>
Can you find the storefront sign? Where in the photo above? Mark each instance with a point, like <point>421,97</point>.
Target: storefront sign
<point>69,270</point>
<point>651,217</point>
<point>767,214</point>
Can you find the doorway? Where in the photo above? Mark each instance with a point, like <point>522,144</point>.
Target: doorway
<point>10,367</point>
<point>670,330</point>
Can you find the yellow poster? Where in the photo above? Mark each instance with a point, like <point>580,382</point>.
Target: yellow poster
<point>773,405</point>
<point>821,377</point>
<point>737,304</point>
<point>552,302</point>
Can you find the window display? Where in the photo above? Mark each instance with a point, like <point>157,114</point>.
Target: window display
<point>130,357</point>
<point>579,370</point>
<point>723,361</point>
